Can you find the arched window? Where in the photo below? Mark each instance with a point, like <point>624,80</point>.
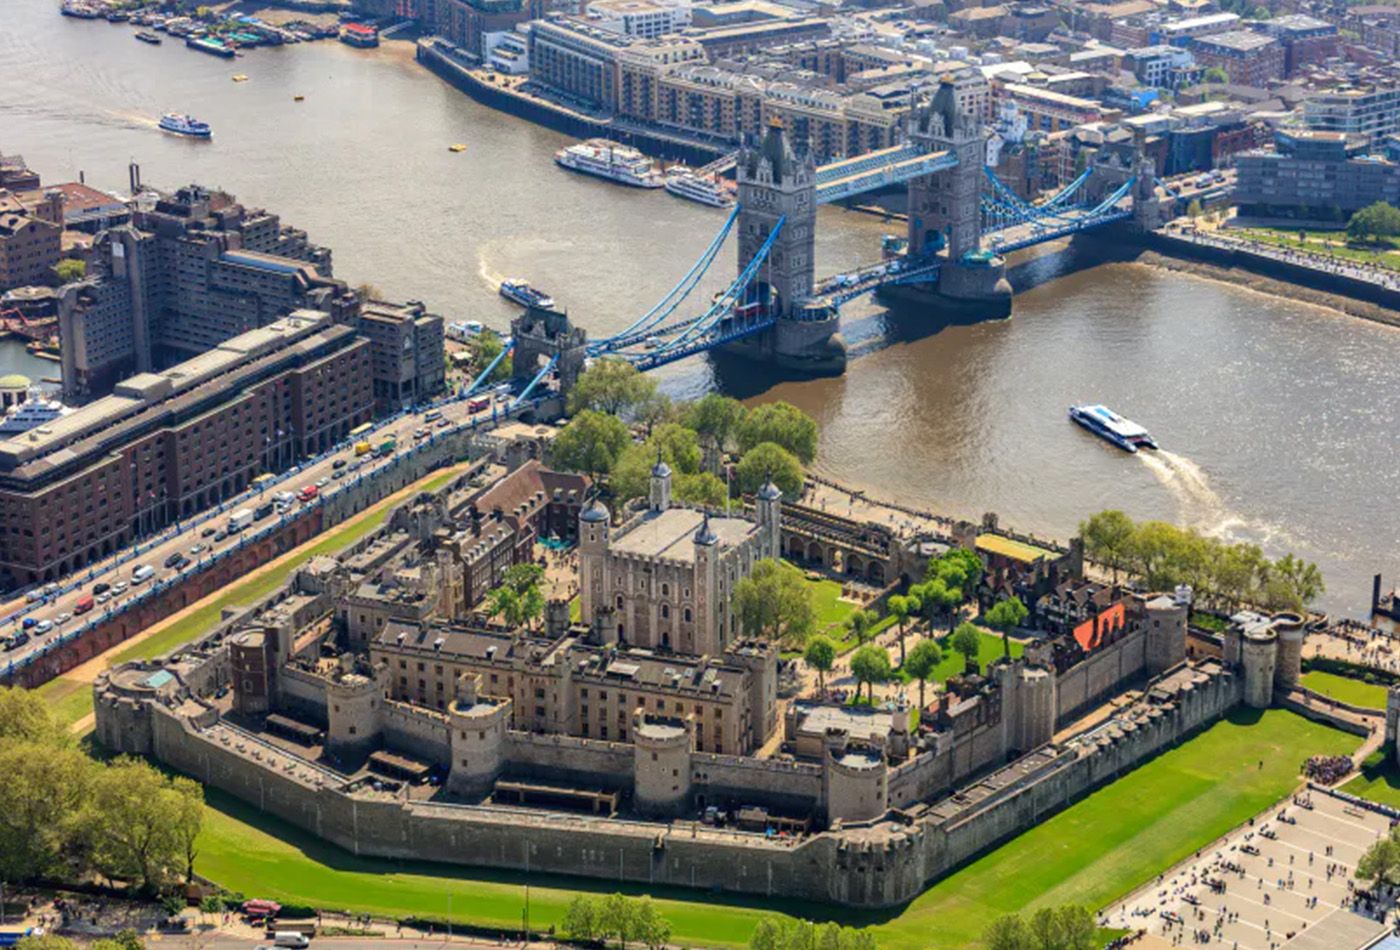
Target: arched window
<point>619,602</point>
<point>665,590</point>
<point>665,612</point>
<point>685,615</point>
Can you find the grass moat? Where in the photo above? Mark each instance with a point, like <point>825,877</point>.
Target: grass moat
<point>1091,853</point>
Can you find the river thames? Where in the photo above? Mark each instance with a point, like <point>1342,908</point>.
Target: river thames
<point>1278,420</point>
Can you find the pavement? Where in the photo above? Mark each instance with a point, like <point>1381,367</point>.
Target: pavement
<point>1275,877</point>
<point>333,472</point>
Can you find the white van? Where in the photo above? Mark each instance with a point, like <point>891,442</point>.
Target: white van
<point>286,938</point>
<point>142,574</point>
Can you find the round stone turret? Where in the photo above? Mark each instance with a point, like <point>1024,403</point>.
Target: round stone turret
<point>1166,631</point>
<point>1290,629</point>
<point>661,766</point>
<point>478,727</point>
<point>855,780</point>
<point>1259,656</point>
<point>353,702</point>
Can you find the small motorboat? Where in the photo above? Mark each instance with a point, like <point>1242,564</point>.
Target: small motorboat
<point>456,147</point>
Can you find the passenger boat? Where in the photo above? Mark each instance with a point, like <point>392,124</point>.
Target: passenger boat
<point>32,412</point>
<point>1110,426</point>
<point>607,159</point>
<point>298,98</point>
<point>212,46</point>
<point>185,125</point>
<point>712,191</point>
<point>456,147</point>
<point>146,36</point>
<point>517,290</point>
<point>80,10</point>
<point>118,16</point>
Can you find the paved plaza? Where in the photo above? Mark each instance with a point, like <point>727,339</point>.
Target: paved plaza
<point>1264,884</point>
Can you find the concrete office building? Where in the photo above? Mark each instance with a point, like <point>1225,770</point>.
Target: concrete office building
<point>29,245</point>
<point>643,18</point>
<point>407,352</point>
<point>167,444</point>
<point>1372,112</point>
<point>1313,176</point>
<point>191,271</point>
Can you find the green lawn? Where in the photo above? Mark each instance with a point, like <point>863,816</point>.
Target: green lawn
<point>953,663</point>
<point>1378,780</point>
<point>1091,853</point>
<point>72,700</point>
<point>1346,689</point>
<point>1330,243</point>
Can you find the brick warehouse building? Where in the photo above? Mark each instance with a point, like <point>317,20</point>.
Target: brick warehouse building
<point>166,445</point>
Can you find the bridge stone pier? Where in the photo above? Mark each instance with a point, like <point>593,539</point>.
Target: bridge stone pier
<point>777,184</point>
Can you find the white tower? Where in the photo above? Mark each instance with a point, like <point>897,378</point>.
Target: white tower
<point>709,633</point>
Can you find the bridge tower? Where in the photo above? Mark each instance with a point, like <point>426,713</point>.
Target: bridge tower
<point>775,183</point>
<point>946,208</point>
<point>541,335</point>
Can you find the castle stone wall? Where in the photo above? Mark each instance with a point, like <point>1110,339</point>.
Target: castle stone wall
<point>1102,673</point>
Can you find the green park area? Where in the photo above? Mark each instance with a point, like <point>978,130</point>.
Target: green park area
<point>1092,853</point>
<point>1344,688</point>
<point>1378,780</point>
<point>71,698</point>
<point>1328,243</point>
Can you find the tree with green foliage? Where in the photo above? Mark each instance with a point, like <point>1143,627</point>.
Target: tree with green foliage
<point>519,600</point>
<point>782,424</point>
<point>704,489</point>
<point>45,942</point>
<point>939,599</point>
<point>770,460</point>
<point>716,420</point>
<point>677,446</point>
<point>859,624</point>
<point>41,802</point>
<point>25,717</point>
<point>1292,583</point>
<point>591,443</point>
<point>613,386</point>
<point>1216,75</point>
<point>921,663</point>
<point>1107,537</point>
<point>870,665</point>
<point>1194,209</point>
<point>901,608</point>
<point>580,923</point>
<point>651,929</point>
<point>70,269</point>
<point>1006,615</point>
<point>820,655</point>
<point>124,939</point>
<point>657,409</point>
<point>967,640</point>
<point>133,820</point>
<point>1375,221</point>
<point>774,933</point>
<point>1051,928</point>
<point>485,347</point>
<point>774,602</point>
<point>1381,862</point>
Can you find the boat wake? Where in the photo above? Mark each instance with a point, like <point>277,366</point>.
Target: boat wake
<point>1200,505</point>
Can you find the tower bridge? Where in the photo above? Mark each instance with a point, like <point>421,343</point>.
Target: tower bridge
<point>962,221</point>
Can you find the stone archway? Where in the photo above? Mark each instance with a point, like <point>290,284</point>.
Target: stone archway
<point>814,553</point>
<point>854,566</point>
<point>875,573</point>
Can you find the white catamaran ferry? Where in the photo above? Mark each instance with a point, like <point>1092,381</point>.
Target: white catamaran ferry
<point>1109,425</point>
<point>610,160</point>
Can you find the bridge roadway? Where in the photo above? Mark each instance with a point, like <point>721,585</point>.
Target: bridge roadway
<point>199,531</point>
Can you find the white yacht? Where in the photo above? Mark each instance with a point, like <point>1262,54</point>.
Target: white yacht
<point>34,411</point>
<point>610,160</point>
<point>712,191</point>
<point>1110,426</point>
